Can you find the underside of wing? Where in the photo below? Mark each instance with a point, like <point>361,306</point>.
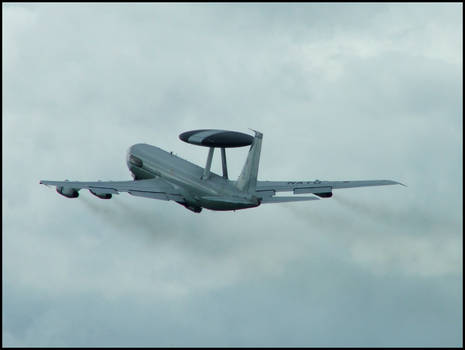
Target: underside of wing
<point>151,188</point>
<point>267,189</point>
<point>284,199</point>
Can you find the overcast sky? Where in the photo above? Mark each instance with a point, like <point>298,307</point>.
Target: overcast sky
<point>340,92</point>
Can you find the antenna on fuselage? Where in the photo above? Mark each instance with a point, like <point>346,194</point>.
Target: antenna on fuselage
<point>213,138</point>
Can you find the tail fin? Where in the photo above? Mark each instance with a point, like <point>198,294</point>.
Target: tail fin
<point>247,180</point>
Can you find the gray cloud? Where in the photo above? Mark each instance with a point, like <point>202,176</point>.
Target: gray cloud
<point>340,91</point>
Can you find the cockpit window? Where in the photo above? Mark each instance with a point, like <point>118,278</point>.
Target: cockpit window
<point>135,161</point>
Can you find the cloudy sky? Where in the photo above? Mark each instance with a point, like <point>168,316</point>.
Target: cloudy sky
<point>340,92</point>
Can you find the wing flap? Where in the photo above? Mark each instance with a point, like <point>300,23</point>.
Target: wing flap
<point>284,199</point>
<point>300,187</point>
<point>157,195</point>
<point>153,195</point>
<point>302,190</point>
<point>267,193</point>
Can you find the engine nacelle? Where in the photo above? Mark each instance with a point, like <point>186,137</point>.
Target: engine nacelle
<point>68,192</point>
<point>191,207</point>
<point>101,195</point>
<point>324,195</point>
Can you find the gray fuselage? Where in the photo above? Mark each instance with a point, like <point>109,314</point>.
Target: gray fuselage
<point>215,193</point>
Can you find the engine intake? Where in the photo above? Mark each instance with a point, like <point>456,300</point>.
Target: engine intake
<point>68,192</point>
<point>101,195</point>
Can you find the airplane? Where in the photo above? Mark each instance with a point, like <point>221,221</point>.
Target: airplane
<point>159,174</point>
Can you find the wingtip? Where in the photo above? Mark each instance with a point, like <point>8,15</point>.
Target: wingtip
<point>392,182</point>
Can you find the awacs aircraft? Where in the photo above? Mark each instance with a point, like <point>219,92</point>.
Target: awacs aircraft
<point>162,175</point>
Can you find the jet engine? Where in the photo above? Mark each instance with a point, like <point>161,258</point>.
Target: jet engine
<point>67,192</point>
<point>324,195</point>
<point>194,208</point>
<point>101,195</point>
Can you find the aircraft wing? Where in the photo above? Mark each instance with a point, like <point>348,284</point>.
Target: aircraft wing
<point>267,189</point>
<point>150,188</point>
<point>283,199</point>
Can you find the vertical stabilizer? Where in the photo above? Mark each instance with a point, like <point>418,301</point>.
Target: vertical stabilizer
<point>247,181</point>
